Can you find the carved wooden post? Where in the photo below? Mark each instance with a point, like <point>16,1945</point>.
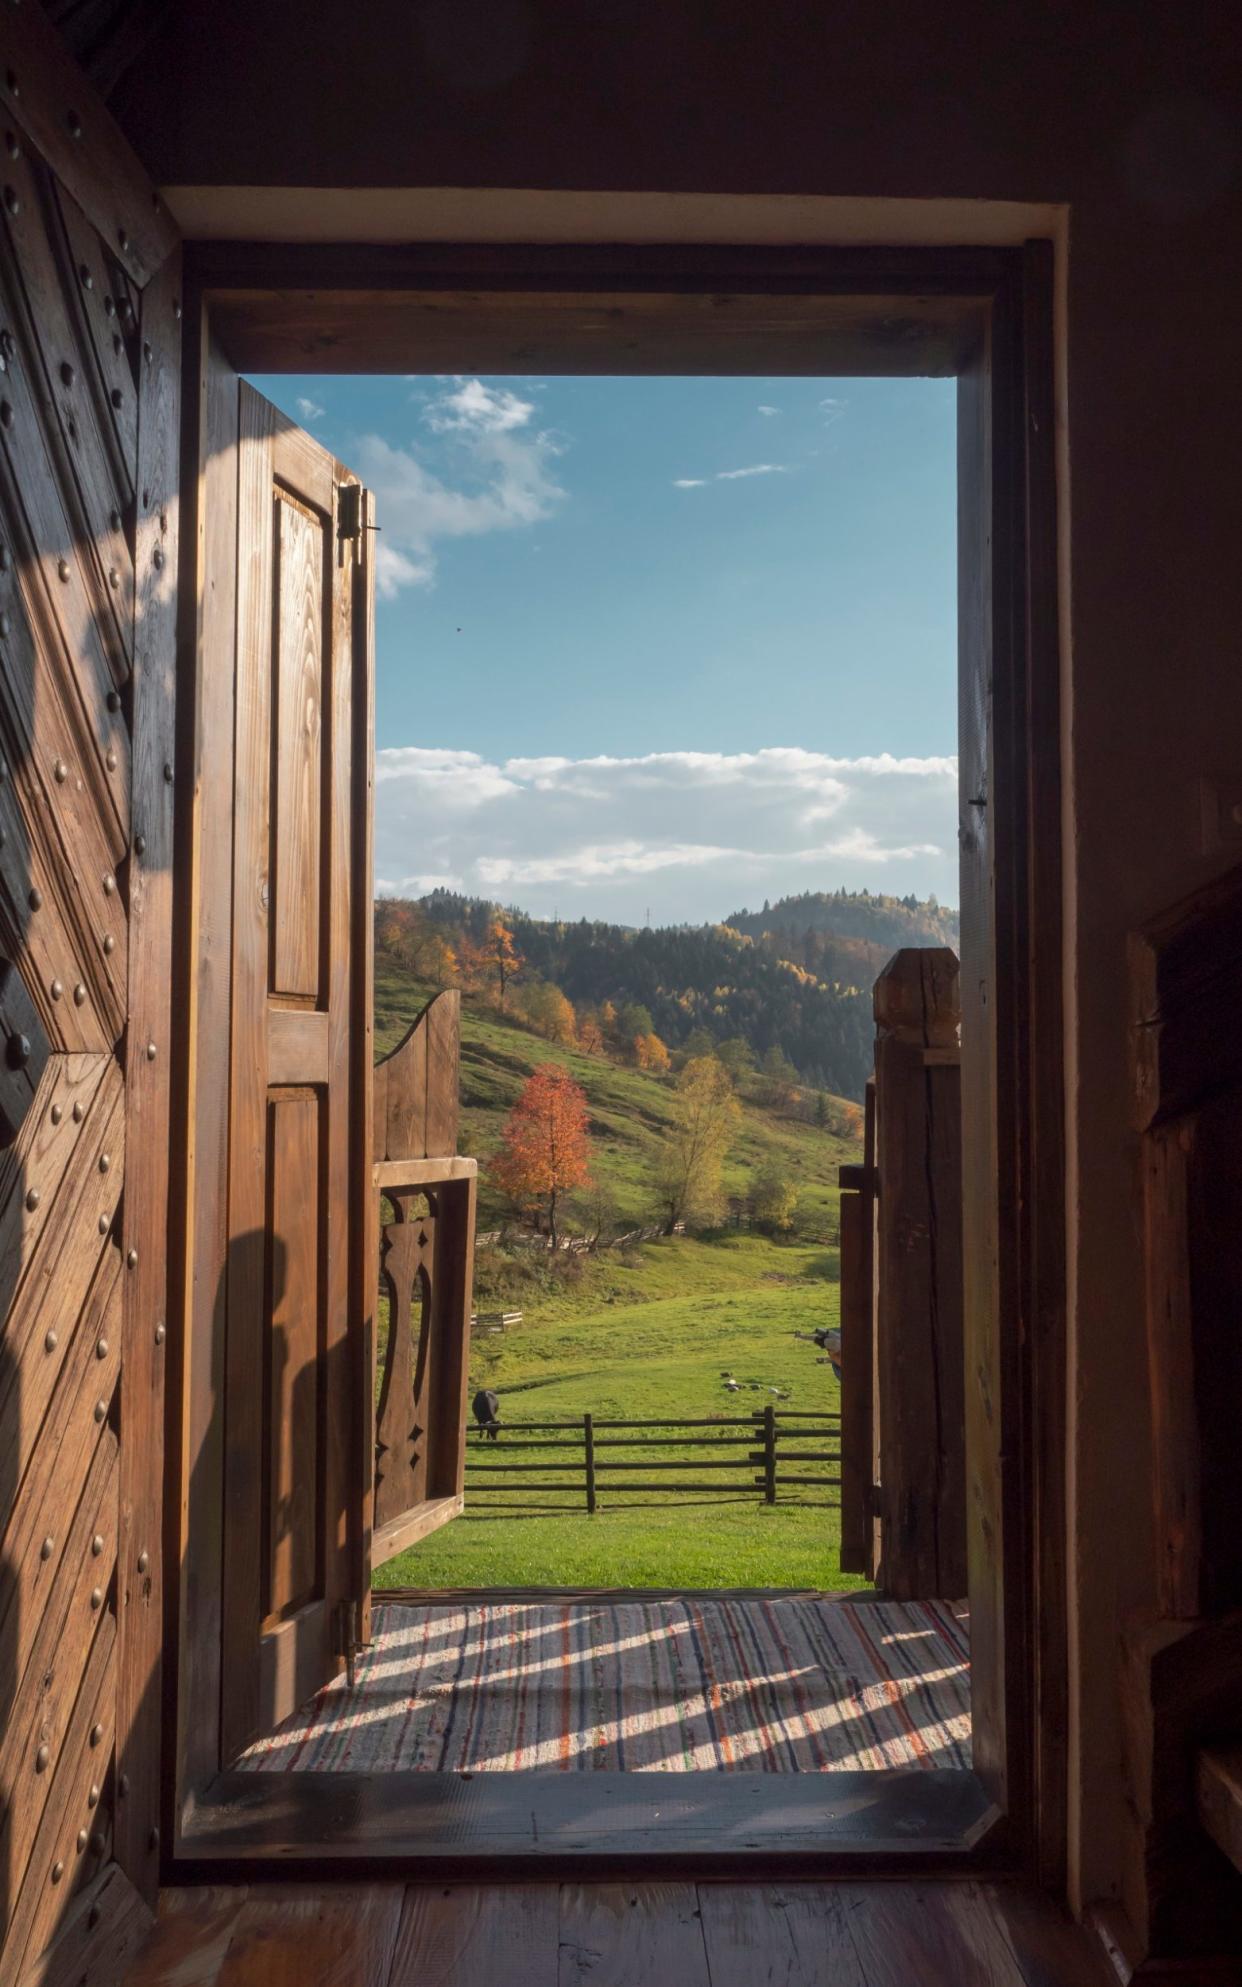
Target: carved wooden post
<point>918,1269</point>
<point>859,1461</point>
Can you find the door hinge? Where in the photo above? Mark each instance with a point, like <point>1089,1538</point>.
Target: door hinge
<point>347,1643</point>
<point>349,510</point>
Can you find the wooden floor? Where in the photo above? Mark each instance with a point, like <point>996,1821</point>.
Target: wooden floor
<point>883,1934</point>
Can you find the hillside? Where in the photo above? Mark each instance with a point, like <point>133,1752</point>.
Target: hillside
<point>629,1109</point>
<point>703,980</point>
<point>845,935</point>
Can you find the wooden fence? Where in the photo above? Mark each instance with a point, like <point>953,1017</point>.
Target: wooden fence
<point>766,1439</point>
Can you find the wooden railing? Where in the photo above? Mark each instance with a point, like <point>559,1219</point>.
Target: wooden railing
<point>765,1442</point>
<point>903,1463</point>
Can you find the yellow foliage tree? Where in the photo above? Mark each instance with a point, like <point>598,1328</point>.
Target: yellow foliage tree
<point>705,1117</point>
<point>650,1053</point>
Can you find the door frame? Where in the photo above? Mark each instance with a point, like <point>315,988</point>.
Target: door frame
<point>986,316</point>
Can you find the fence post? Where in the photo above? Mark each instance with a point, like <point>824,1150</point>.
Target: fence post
<point>588,1438</point>
<point>769,1454</point>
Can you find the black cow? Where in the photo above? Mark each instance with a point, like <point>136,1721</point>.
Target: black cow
<point>486,1407</point>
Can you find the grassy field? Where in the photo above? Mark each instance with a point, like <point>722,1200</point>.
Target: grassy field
<point>650,1334</point>
<point>645,1332</point>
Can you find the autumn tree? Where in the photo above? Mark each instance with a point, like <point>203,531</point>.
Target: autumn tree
<point>545,1149</point>
<point>590,1035</point>
<point>705,1116</point>
<point>548,1011</point>
<point>503,957</point>
<point>651,1054</point>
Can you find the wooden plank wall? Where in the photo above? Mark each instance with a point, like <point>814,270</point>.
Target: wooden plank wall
<point>89,447</point>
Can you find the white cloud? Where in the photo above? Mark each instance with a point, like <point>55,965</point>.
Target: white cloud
<point>730,475</point>
<point>490,471</point>
<point>687,835</point>
<point>767,410</point>
<point>310,410</point>
<point>832,409</point>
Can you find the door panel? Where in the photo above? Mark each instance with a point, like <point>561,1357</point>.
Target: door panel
<point>296,1357</point>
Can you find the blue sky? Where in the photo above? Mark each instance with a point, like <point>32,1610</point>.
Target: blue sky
<point>663,646</point>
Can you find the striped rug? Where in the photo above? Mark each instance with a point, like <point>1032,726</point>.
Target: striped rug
<point>778,1684</point>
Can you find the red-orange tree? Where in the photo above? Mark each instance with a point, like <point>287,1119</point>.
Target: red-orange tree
<point>546,1148</point>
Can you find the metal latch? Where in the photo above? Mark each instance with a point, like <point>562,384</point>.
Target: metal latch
<point>349,511</point>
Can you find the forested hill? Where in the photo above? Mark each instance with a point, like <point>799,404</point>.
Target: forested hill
<point>673,987</point>
<point>846,934</point>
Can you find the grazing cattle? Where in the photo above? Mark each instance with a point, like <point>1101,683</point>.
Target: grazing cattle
<point>486,1407</point>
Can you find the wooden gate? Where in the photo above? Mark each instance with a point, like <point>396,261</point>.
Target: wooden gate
<point>903,1442</point>
<point>89,426</point>
<point>427,1268</point>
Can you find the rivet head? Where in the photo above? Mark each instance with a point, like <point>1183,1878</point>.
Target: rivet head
<point>132,1258</point>
<point>83,1839</point>
<point>114,578</point>
<point>109,885</point>
<point>42,1757</point>
<point>123,240</point>
<point>74,124</point>
<point>62,567</point>
<point>101,1349</point>
<point>79,1112</point>
<point>32,1200</point>
<point>144,1560</point>
<point>104,1224</point>
<point>48,1547</point>
<point>79,995</point>
<point>109,307</point>
<point>18,1052</point>
<point>177,308</point>
<point>147,353</point>
<point>122,1785</point>
<point>35,900</point>
<point>11,200</point>
<point>56,989</point>
<point>151,1051</point>
<point>153,1840</point>
<point>67,374</point>
<point>11,145</point>
<point>117,397</point>
<point>6,625</point>
<point>140,844</point>
<point>110,760</point>
<point>109,942</point>
<point>160,1334</point>
<point>96,1598</point>
<point>6,413</point>
<point>168,771</point>
<point>96,1734</point>
<point>157,558</point>
<point>56,1114</point>
<point>58,1871</point>
<point>93,1916</point>
<point>97,1849</point>
<point>97,1545</point>
<point>114,519</point>
<point>113,700</point>
<point>101,1410</point>
<point>84,277</point>
<point>60,772</point>
<point>50,1342</point>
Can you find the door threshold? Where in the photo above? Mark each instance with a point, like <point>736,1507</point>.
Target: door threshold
<point>904,1820</point>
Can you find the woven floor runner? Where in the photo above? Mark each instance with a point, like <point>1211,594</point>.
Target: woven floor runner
<point>769,1685</point>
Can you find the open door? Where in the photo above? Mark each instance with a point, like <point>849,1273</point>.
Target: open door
<point>298,1356</point>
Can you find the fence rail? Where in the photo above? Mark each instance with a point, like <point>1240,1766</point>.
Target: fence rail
<point>764,1442</point>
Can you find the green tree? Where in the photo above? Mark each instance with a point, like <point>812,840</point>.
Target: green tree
<point>774,1198</point>
<point>737,1057</point>
<point>705,1117</point>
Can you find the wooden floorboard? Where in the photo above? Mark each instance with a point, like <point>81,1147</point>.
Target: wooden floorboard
<point>882,1934</point>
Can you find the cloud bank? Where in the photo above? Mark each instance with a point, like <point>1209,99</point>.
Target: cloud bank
<point>684,835</point>
<point>486,467</point>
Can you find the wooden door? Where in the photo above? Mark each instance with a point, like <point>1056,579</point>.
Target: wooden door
<point>89,381</point>
<point>297,1351</point>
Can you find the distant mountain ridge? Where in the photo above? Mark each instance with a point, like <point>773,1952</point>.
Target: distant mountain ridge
<point>794,978</point>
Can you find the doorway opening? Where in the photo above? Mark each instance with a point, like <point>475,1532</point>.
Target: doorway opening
<point>337,1482</point>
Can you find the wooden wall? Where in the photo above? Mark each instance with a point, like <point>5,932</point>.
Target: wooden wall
<point>89,434</point>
